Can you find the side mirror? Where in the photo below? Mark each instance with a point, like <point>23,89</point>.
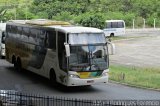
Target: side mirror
<point>67,48</point>
<point>111,48</point>
<point>3,37</point>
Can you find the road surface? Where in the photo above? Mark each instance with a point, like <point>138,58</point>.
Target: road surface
<point>140,51</point>
<point>31,83</point>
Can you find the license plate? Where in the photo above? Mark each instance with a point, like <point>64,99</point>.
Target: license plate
<point>90,81</point>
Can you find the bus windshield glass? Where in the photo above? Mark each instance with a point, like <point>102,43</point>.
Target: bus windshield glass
<point>86,38</point>
<point>88,58</point>
<point>88,52</point>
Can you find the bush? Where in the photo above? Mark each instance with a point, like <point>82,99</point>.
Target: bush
<point>91,20</point>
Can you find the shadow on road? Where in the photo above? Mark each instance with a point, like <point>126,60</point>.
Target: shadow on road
<point>37,79</point>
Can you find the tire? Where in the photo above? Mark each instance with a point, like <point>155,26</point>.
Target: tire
<point>15,65</point>
<point>19,65</point>
<point>112,35</point>
<point>53,77</point>
<point>2,57</point>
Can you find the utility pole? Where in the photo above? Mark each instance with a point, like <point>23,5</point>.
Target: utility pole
<point>144,23</point>
<point>154,23</point>
<point>133,23</point>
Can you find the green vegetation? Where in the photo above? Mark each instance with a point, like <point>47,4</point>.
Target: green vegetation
<point>142,77</point>
<point>84,12</point>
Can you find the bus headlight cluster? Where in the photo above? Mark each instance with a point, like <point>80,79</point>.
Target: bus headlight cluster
<point>105,72</point>
<point>73,76</point>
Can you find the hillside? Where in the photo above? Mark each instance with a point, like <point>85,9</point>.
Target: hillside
<point>85,12</point>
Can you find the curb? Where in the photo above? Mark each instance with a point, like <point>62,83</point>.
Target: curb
<point>130,38</point>
<point>135,86</point>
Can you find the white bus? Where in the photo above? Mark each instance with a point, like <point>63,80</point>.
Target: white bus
<point>2,44</point>
<point>114,28</point>
<point>2,40</point>
<point>69,55</point>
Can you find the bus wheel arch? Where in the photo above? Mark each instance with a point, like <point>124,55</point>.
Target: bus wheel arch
<point>52,76</point>
<point>19,64</point>
<point>112,35</point>
<point>13,59</point>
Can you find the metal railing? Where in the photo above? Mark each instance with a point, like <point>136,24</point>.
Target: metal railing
<point>14,98</point>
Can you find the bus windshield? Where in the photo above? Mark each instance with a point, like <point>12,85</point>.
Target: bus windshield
<point>88,52</point>
<point>88,58</point>
<point>86,38</point>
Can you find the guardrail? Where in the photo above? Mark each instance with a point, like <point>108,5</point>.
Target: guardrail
<point>14,98</point>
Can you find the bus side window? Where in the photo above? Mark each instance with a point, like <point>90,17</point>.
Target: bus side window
<point>46,43</point>
<point>33,36</point>
<point>19,31</point>
<point>120,25</point>
<point>50,40</point>
<point>13,29</point>
<point>8,29</point>
<point>109,25</point>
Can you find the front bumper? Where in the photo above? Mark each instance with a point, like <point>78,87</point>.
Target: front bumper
<point>89,81</point>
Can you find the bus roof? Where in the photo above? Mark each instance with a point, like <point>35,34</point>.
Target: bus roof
<point>77,29</point>
<point>114,20</point>
<point>58,25</point>
<point>40,22</point>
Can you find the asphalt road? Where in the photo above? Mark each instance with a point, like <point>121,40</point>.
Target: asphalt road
<point>31,83</point>
<point>143,52</point>
<point>139,51</point>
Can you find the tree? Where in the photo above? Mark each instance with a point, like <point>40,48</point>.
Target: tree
<point>91,20</point>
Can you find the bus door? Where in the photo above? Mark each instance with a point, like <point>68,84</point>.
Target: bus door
<point>61,51</point>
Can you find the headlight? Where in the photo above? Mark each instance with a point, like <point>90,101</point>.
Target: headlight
<point>105,72</point>
<point>73,76</point>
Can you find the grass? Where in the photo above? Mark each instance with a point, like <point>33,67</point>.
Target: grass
<point>143,77</point>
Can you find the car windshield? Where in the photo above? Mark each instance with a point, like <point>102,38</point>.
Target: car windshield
<point>88,58</point>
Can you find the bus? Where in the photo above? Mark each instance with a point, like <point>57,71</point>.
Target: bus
<point>2,44</point>
<point>114,28</point>
<point>2,40</point>
<point>67,54</point>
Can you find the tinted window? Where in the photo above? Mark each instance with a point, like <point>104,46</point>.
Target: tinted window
<point>109,25</point>
<point>14,29</point>
<point>120,25</point>
<point>115,25</point>
<point>61,51</point>
<point>19,30</point>
<point>26,31</point>
<point>50,39</point>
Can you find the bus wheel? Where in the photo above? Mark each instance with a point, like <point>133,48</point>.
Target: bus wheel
<point>112,35</point>
<point>14,62</point>
<point>19,65</point>
<point>15,65</point>
<point>53,77</point>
